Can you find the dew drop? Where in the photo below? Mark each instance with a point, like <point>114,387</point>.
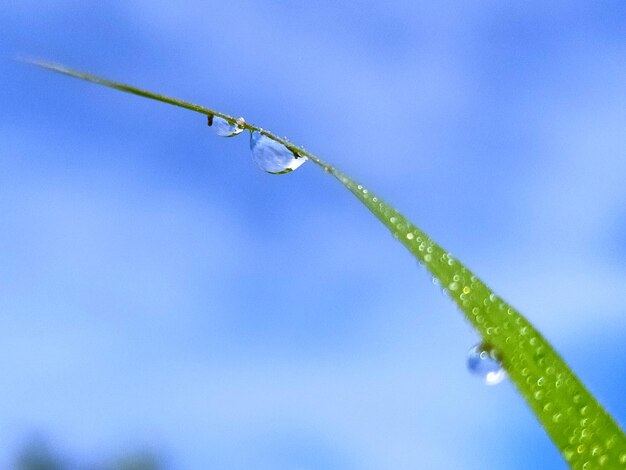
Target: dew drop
<point>223,128</point>
<point>272,156</point>
<point>482,361</point>
<point>610,442</point>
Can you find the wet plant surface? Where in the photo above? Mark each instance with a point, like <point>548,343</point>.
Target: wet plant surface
<point>585,434</point>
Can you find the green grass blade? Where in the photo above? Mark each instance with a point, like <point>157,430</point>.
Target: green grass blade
<point>583,431</point>
<point>122,87</point>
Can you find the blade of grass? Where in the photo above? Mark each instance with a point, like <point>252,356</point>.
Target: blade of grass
<point>583,431</point>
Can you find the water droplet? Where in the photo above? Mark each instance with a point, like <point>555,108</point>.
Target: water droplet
<point>224,128</point>
<point>610,443</point>
<point>482,361</point>
<point>272,156</point>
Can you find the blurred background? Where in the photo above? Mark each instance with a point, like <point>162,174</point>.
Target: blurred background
<point>165,304</point>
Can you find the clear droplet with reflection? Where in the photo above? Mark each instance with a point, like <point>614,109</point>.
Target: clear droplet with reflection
<point>272,156</point>
<point>224,128</point>
<point>482,361</point>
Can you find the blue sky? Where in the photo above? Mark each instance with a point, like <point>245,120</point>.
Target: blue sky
<point>157,290</point>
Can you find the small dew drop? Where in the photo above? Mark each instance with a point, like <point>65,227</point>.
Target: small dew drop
<point>223,128</point>
<point>482,361</point>
<point>610,443</point>
<point>272,156</point>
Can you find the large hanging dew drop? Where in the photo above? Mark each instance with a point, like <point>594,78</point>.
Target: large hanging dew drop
<point>224,128</point>
<point>483,362</point>
<point>272,156</point>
